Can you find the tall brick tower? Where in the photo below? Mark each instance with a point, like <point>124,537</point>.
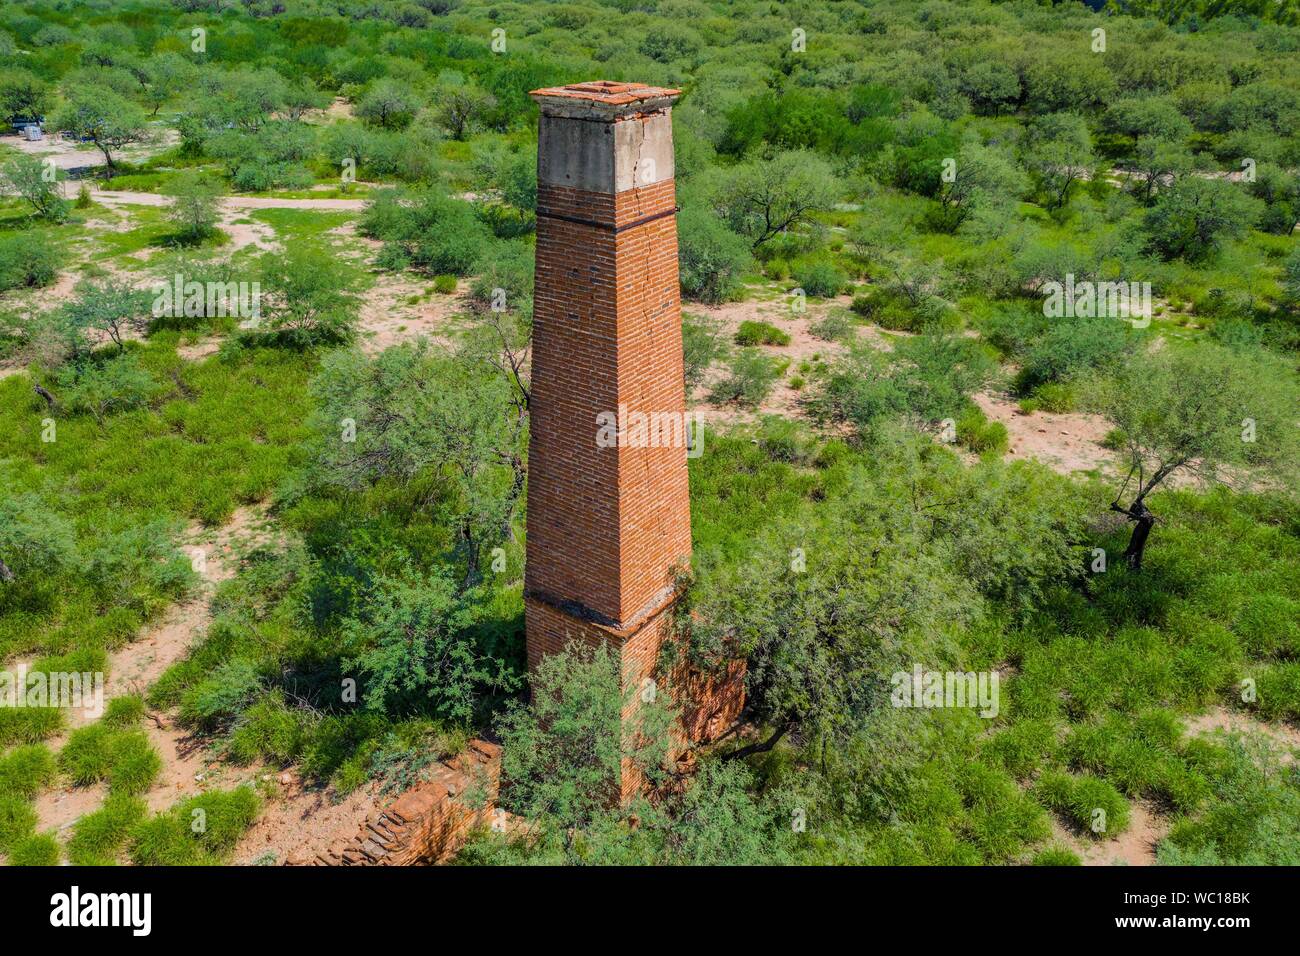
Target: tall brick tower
<point>606,523</point>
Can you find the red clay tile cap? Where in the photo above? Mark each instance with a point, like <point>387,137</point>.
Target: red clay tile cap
<point>603,98</point>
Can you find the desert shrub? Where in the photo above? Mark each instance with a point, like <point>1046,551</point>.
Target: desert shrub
<point>859,390</point>
<point>1013,329</point>
<point>306,298</point>
<point>980,435</point>
<point>749,379</point>
<point>39,849</point>
<point>29,260</point>
<point>836,325</point>
<point>426,230</point>
<point>1079,798</point>
<point>98,838</point>
<point>509,268</point>
<point>1056,397</point>
<point>222,696</point>
<point>752,332</point>
<point>106,385</point>
<point>27,770</point>
<point>444,285</point>
<point>199,830</point>
<point>938,372</point>
<point>268,729</point>
<point>1071,347</point>
<point>711,258</point>
<point>820,278</point>
<point>703,343</point>
<point>900,309</point>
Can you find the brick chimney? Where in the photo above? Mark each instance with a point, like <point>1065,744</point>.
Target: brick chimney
<point>607,521</point>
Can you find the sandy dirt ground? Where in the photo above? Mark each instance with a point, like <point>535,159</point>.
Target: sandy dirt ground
<point>1066,443</point>
<point>1136,846</point>
<point>387,317</point>
<point>79,158</point>
<point>188,768</point>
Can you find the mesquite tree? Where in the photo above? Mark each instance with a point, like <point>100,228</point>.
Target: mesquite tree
<point>1213,413</point>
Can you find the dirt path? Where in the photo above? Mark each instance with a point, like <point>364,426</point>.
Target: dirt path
<point>130,198</point>
<point>187,767</point>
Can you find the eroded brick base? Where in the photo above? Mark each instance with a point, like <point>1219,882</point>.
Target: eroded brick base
<point>429,822</point>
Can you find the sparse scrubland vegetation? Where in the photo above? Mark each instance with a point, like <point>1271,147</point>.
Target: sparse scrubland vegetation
<point>879,203</point>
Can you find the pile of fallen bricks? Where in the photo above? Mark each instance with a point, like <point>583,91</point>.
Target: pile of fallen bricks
<point>429,822</point>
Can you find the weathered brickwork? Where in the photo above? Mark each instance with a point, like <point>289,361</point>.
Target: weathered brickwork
<point>608,526</point>
<point>429,822</point>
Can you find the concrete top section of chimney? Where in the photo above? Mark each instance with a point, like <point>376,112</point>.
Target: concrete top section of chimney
<point>605,137</point>
<point>603,100</point>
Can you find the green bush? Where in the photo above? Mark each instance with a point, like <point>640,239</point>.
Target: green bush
<point>703,343</point>
<point>102,751</point>
<point>820,278</point>
<point>444,285</point>
<point>29,260</point>
<point>1023,747</point>
<point>1071,347</point>
<point>86,757</point>
<point>749,379</point>
<point>1278,690</point>
<point>426,230</point>
<point>124,711</point>
<point>836,326</point>
<point>269,729</point>
<point>1056,856</point>
<point>196,831</point>
<point>39,849</point>
<point>751,332</point>
<point>980,435</point>
<point>711,258</point>
<point>1056,397</point>
<point>27,770</point>
<point>1079,798</point>
<point>135,763</point>
<point>98,838</point>
<point>17,820</point>
<point>29,725</point>
<point>221,697</point>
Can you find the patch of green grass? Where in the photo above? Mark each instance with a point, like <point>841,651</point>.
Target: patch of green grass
<point>39,849</point>
<point>99,838</point>
<point>751,332</point>
<point>27,770</point>
<point>29,725</point>
<point>1057,856</point>
<point>197,831</point>
<point>18,819</point>
<point>1089,804</point>
<point>101,751</point>
<point>124,711</point>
